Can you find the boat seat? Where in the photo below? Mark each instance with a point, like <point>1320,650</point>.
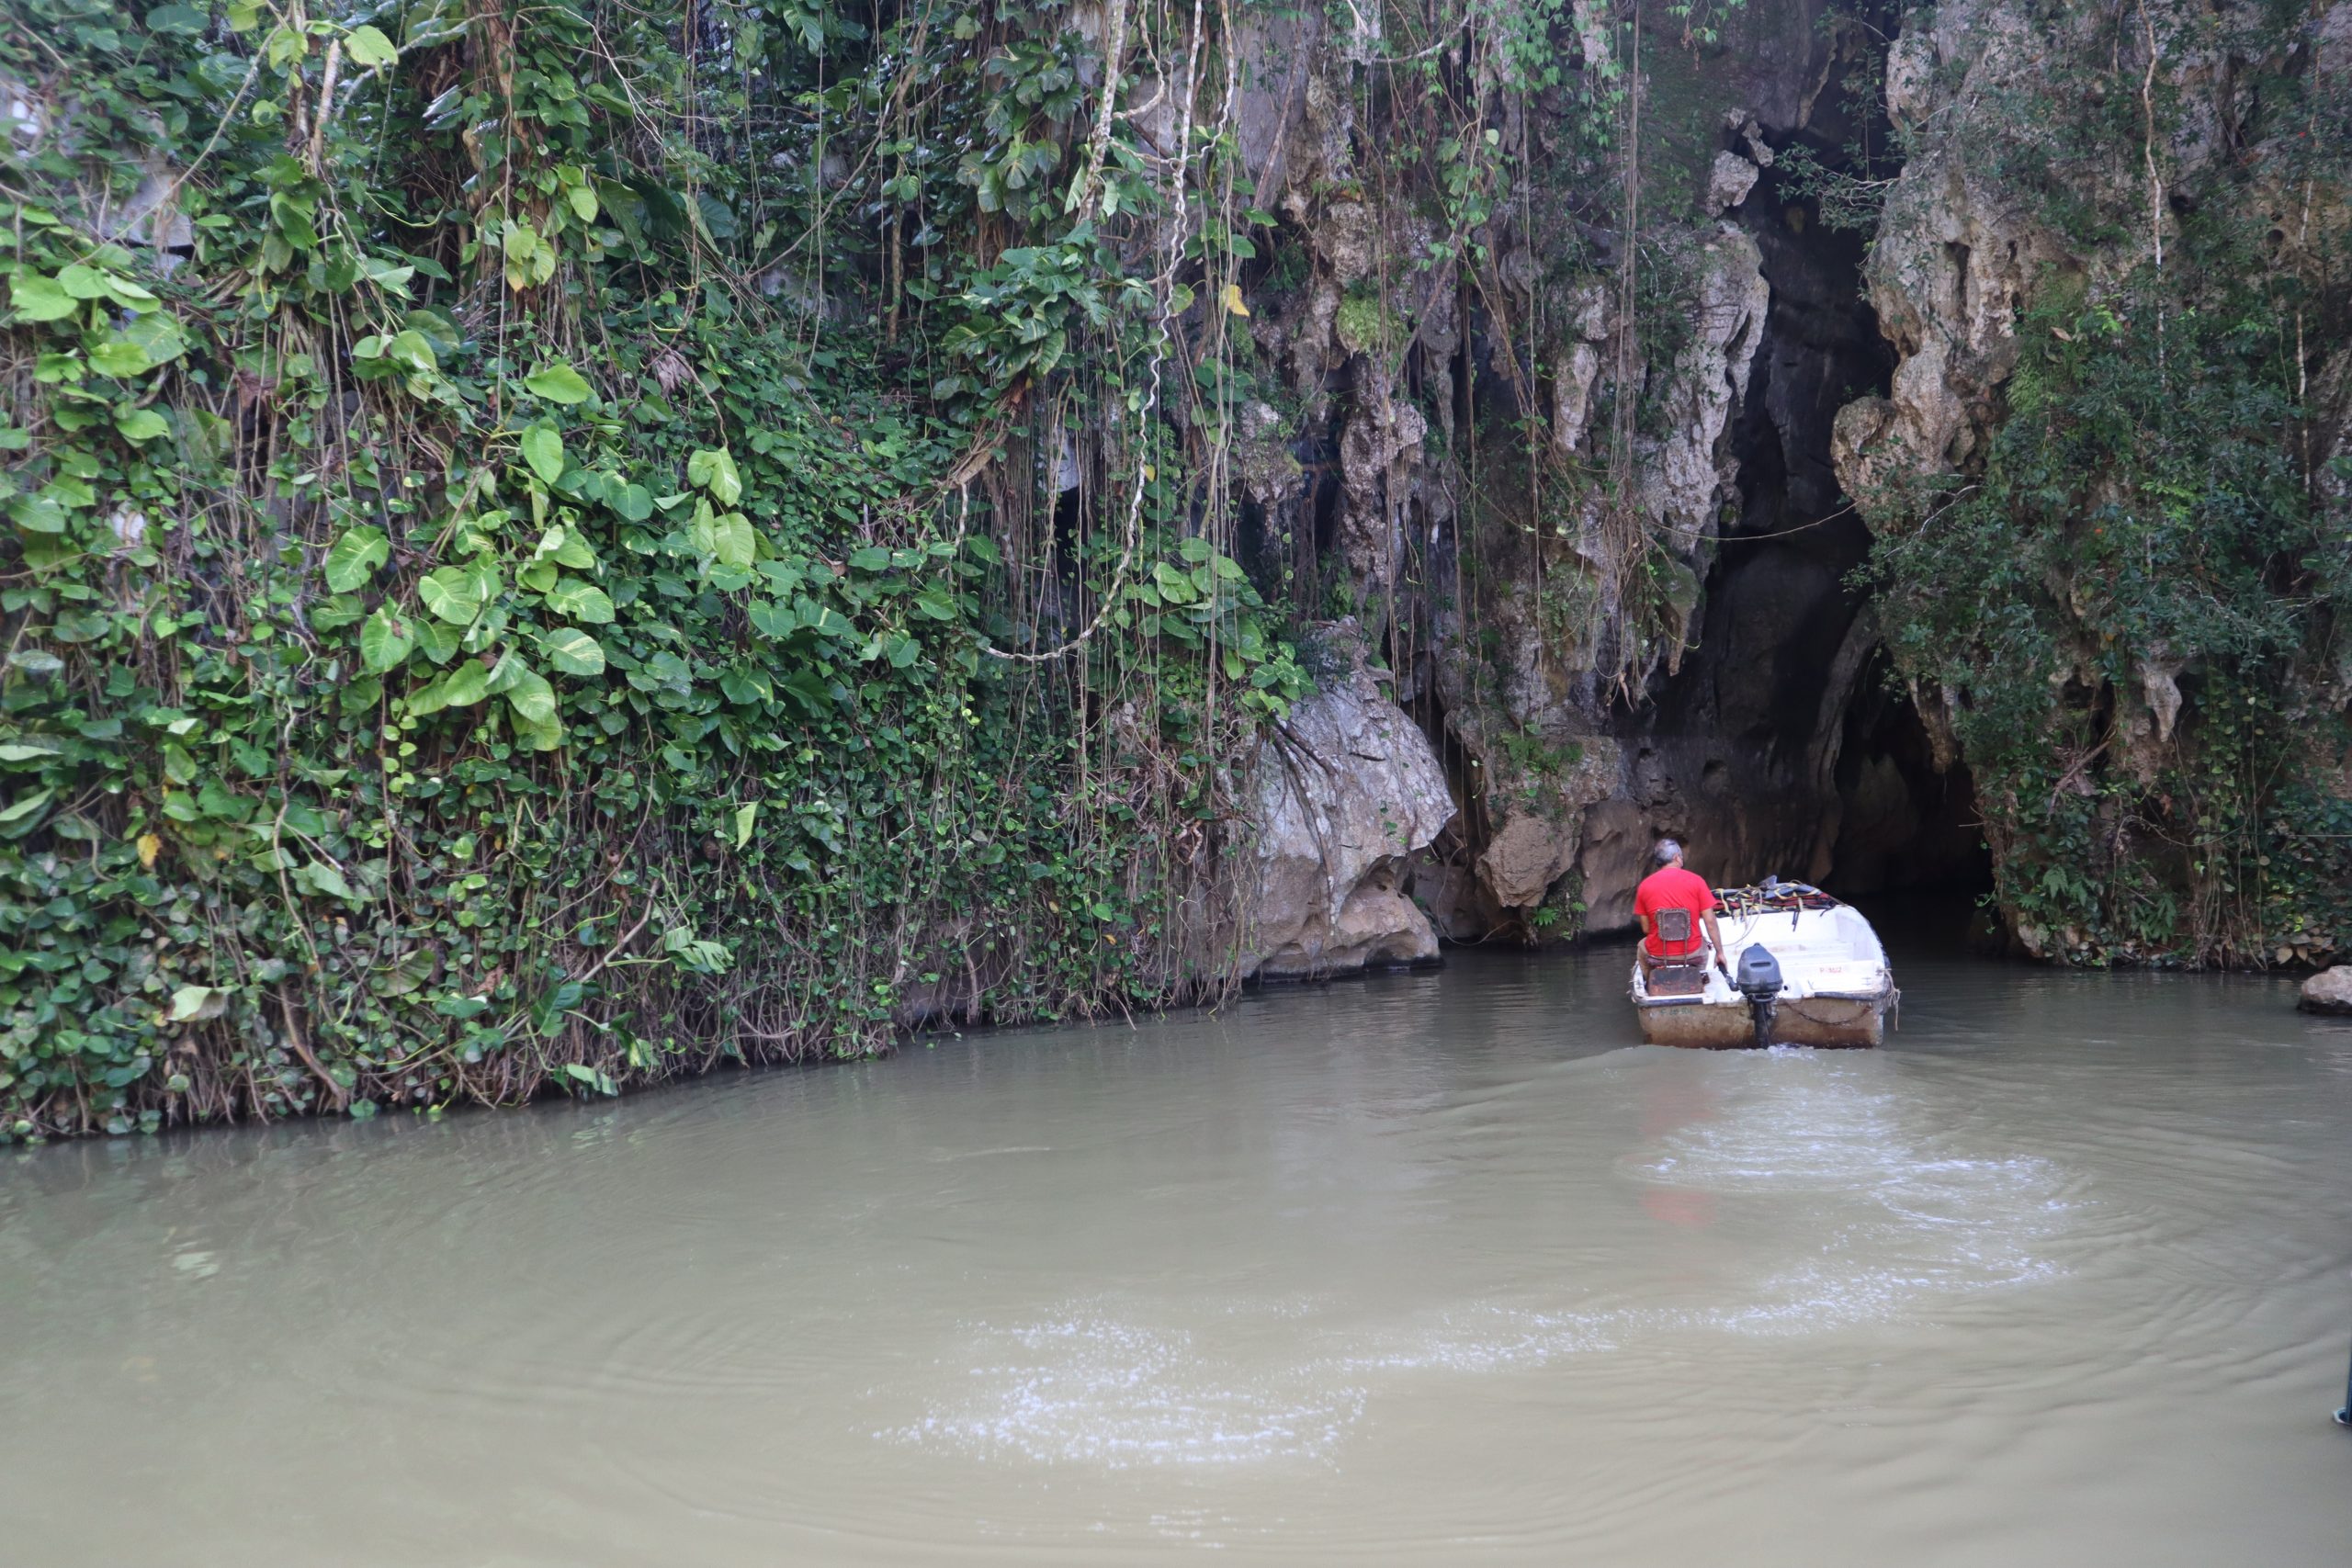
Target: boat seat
<point>1677,979</point>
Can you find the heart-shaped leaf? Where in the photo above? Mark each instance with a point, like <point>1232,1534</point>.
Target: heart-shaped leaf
<point>25,806</point>
<point>582,601</point>
<point>192,1004</point>
<point>371,47</point>
<point>328,880</point>
<point>120,356</point>
<point>543,449</point>
<point>354,557</point>
<point>385,640</point>
<point>466,683</point>
<point>141,424</point>
<point>39,298</point>
<point>531,698</point>
<point>451,593</point>
<point>573,651</point>
<point>715,471</point>
<point>634,502</point>
<point>556,383</point>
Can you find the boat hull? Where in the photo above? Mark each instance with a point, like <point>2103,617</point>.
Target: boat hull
<point>1826,1021</point>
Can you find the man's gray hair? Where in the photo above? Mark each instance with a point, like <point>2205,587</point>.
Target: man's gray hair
<point>1666,851</point>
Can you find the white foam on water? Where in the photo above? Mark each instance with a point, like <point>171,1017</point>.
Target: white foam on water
<point>1906,1217</point>
<point>1083,1388</point>
<point>1903,1220</point>
<point>1484,1338</point>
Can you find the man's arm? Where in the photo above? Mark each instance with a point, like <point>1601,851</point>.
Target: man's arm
<point>1715,935</point>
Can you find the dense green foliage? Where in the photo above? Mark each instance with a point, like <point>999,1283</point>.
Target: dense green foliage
<point>475,624</point>
<point>558,544</point>
<point>550,547</point>
<point>2135,613</point>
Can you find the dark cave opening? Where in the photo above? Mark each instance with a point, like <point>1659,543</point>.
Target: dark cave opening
<point>1784,745</point>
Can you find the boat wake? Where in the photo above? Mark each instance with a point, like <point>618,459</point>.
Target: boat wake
<point>1902,1219</point>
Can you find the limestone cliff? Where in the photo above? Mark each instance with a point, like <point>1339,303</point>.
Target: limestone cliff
<point>1344,789</point>
<point>1579,499</point>
<point>2086,195</point>
<point>1617,543</point>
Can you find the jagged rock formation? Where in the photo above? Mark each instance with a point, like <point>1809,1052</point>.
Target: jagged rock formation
<point>2005,205</point>
<point>1663,627</point>
<point>1345,789</point>
<point>1598,663</point>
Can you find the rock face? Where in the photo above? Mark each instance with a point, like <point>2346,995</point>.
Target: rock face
<point>2329,991</point>
<point>1594,664</point>
<point>1959,253</point>
<point>1729,182</point>
<point>1346,789</point>
<point>1972,250</point>
<point>1659,623</point>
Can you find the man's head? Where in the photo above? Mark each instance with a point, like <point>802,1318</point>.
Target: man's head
<point>1667,853</point>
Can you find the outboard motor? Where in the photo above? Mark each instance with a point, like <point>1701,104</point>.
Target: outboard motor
<point>1760,981</point>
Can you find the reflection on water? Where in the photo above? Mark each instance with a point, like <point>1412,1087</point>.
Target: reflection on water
<point>1429,1268</point>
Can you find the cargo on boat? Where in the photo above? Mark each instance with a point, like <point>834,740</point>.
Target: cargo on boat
<point>1806,970</point>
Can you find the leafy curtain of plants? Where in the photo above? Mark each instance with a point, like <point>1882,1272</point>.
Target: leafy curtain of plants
<point>553,546</point>
<point>2134,615</point>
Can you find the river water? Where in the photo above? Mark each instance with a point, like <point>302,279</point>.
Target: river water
<point>1422,1268</point>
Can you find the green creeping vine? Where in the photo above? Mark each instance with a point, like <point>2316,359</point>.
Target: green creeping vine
<point>473,625</point>
<point>2143,539</point>
<point>2134,615</point>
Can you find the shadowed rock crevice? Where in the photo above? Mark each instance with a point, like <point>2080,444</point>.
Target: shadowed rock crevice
<point>1779,745</point>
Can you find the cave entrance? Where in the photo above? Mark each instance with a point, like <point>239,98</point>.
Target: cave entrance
<point>1904,824</point>
<point>1782,745</point>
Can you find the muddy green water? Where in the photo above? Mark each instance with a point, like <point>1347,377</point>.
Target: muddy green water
<point>1426,1269</point>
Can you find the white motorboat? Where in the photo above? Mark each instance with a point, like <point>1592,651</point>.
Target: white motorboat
<point>1806,970</point>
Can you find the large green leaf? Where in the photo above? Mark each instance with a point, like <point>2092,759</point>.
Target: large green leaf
<point>582,601</point>
<point>714,470</point>
<point>354,557</point>
<point>385,640</point>
<point>157,336</point>
<point>194,1004</point>
<point>543,449</point>
<point>465,683</point>
<point>39,298</point>
<point>117,356</point>
<point>531,698</point>
<point>558,383</point>
<point>573,651</point>
<point>452,593</point>
<point>141,424</point>
<point>321,877</point>
<point>369,48</point>
<point>545,737</point>
<point>734,539</point>
<point>634,502</point>
<point>25,805</point>
<point>38,514</point>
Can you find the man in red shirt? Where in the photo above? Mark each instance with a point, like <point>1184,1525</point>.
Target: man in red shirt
<point>1671,888</point>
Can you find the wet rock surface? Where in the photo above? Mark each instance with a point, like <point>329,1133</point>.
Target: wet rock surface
<point>2329,991</point>
<point>1346,789</point>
